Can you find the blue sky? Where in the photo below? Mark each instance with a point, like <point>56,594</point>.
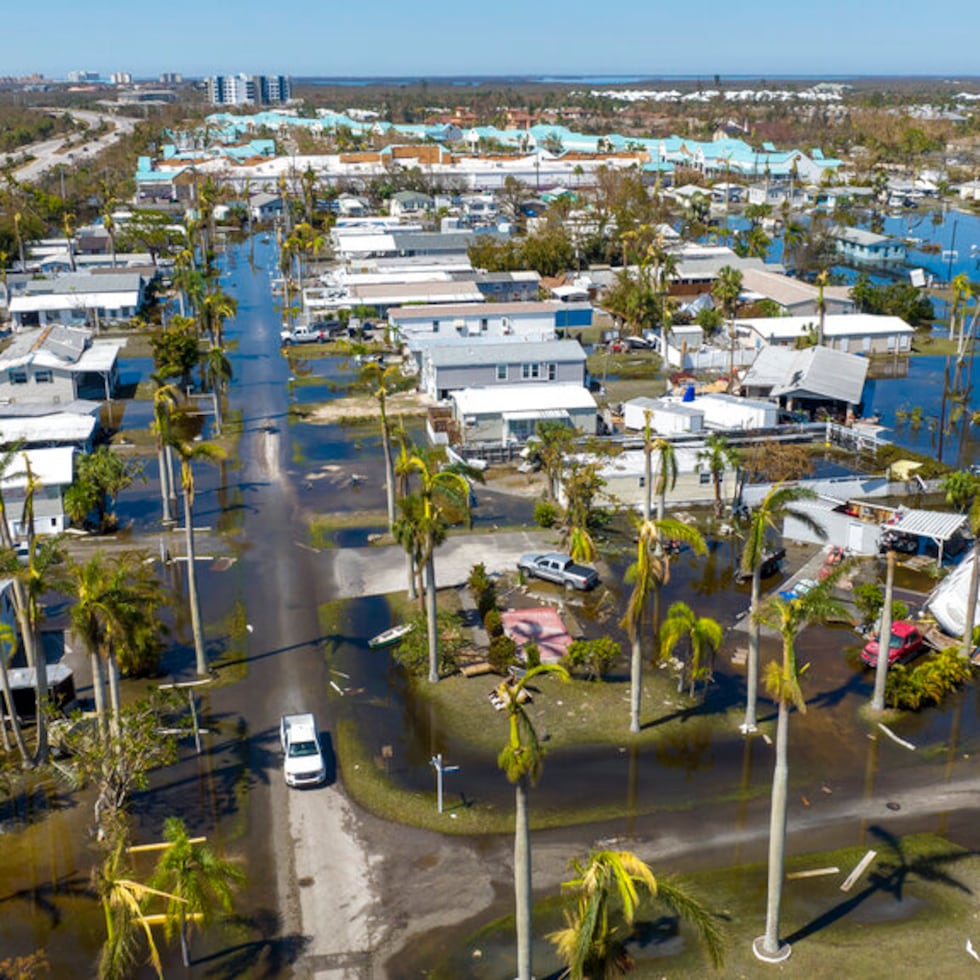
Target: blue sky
<point>757,38</point>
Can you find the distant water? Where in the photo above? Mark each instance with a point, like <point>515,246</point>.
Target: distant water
<point>475,80</point>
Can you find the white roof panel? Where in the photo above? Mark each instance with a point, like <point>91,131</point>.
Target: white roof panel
<point>934,524</point>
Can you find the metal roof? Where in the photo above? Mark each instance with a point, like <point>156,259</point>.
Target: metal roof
<point>816,372</point>
<point>934,524</point>
<point>459,355</point>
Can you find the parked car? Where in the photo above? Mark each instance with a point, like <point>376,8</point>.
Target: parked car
<point>560,569</point>
<point>771,563</point>
<point>906,643</point>
<point>300,739</point>
<point>304,334</point>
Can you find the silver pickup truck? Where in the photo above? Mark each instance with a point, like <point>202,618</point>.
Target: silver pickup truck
<point>560,569</point>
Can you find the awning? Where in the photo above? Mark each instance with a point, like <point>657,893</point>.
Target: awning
<point>933,524</point>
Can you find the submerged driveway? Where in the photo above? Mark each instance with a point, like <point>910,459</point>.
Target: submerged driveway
<point>359,572</point>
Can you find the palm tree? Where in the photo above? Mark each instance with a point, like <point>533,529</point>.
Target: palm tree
<point>728,289</point>
<point>663,449</point>
<point>405,535</point>
<point>590,945</point>
<point>115,603</point>
<point>822,278</point>
<point>196,880</point>
<point>8,645</point>
<point>68,226</point>
<point>777,505</point>
<point>216,307</point>
<point>789,617</point>
<point>165,397</point>
<point>123,901</point>
<point>382,380</point>
<point>521,759</point>
<point>190,453</point>
<point>648,574</point>
<point>717,456</point>
<point>218,372</point>
<point>438,489</point>
<point>704,635</point>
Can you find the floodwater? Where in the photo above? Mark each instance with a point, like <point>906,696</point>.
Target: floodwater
<point>706,777</point>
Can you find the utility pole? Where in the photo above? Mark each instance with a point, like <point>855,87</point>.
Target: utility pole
<point>884,635</point>
<point>192,702</point>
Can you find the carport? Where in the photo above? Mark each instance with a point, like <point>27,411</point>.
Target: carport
<point>933,525</point>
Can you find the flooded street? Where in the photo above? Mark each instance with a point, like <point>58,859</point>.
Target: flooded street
<point>698,798</point>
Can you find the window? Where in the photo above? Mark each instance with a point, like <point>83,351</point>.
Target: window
<point>17,376</point>
<point>435,326</point>
<point>43,377</point>
<point>484,325</point>
<point>552,372</point>
<point>704,478</point>
<point>530,372</point>
<point>501,372</point>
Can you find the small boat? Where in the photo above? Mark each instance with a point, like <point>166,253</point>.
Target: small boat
<point>950,255</point>
<point>390,636</point>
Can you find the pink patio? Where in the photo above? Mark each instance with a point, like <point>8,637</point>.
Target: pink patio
<point>543,626</point>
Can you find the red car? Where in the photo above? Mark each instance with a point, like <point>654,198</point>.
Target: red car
<point>906,643</point>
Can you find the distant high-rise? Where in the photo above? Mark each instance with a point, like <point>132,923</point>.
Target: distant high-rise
<point>79,77</point>
<point>121,78</point>
<point>244,89</point>
<point>170,78</point>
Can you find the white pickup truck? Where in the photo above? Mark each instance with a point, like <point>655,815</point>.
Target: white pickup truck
<point>303,333</point>
<point>303,764</point>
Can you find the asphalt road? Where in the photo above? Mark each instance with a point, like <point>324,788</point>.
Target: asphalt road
<point>49,154</point>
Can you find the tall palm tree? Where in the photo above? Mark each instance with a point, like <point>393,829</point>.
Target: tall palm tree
<point>190,453</point>
<point>197,881</point>
<point>727,289</point>
<point>216,307</point>
<point>8,645</point>
<point>115,601</point>
<point>703,634</point>
<point>30,583</point>
<point>716,457</point>
<point>777,505</point>
<point>68,226</point>
<point>822,278</point>
<point>789,617</point>
<point>218,373</point>
<point>591,945</point>
<point>382,381</point>
<point>438,490</point>
<point>521,759</point>
<point>402,472</point>
<point>648,574</point>
<point>663,449</point>
<point>165,398</point>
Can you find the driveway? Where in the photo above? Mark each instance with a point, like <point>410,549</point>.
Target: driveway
<point>359,572</point>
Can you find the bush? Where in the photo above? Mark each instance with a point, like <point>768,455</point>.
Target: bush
<point>595,657</point>
<point>502,653</point>
<point>869,597</point>
<point>532,655</point>
<point>413,651</point>
<point>493,623</point>
<point>911,688</point>
<point>545,513</point>
<point>482,589</point>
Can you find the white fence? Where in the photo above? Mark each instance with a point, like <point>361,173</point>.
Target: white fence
<point>709,358</point>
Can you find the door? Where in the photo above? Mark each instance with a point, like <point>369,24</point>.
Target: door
<point>855,537</point>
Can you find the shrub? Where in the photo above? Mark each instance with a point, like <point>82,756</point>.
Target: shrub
<point>482,589</point>
<point>413,651</point>
<point>493,624</point>
<point>502,653</point>
<point>911,688</point>
<point>545,513</point>
<point>595,657</point>
<point>532,655</point>
<point>869,597</point>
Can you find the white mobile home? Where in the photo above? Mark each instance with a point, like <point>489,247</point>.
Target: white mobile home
<point>533,321</point>
<point>666,417</point>
<point>509,414</point>
<point>54,469</point>
<point>626,481</point>
<point>731,412</point>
